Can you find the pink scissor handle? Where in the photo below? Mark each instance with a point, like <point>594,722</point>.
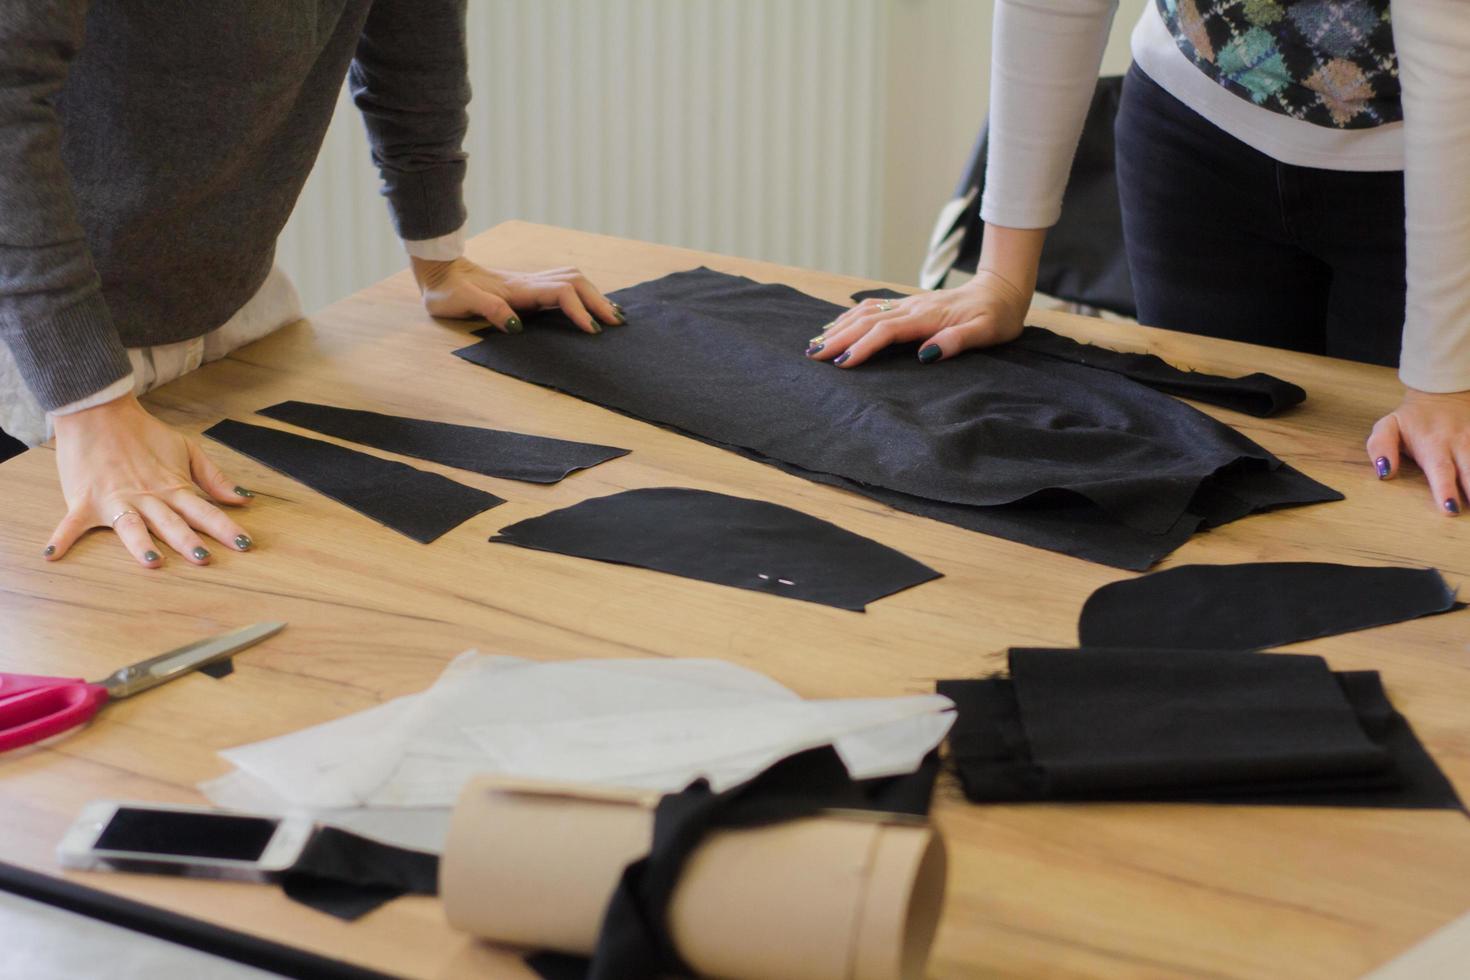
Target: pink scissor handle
<point>16,683</point>
<point>40,711</point>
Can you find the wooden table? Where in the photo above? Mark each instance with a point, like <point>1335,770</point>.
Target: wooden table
<point>1075,890</point>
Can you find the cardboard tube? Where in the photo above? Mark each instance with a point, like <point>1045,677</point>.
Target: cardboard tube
<point>836,896</point>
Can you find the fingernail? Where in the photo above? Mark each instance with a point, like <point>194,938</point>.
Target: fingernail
<point>1381,463</point>
<point>596,327</point>
<point>242,492</point>
<point>150,556</point>
<point>1452,506</point>
<point>514,325</point>
<point>814,348</point>
<point>199,554</point>
<point>930,354</point>
<point>50,550</point>
<point>841,359</point>
<point>622,317</point>
<point>243,542</point>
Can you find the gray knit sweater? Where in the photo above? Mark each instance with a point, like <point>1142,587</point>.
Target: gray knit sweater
<point>152,150</point>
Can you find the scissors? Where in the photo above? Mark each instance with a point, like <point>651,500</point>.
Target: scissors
<point>33,707</point>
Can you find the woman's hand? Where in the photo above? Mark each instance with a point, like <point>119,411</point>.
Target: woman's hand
<point>122,468</point>
<point>1434,429</point>
<point>459,288</point>
<point>985,311</point>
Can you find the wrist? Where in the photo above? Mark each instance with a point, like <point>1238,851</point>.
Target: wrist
<point>104,413</point>
<point>1011,255</point>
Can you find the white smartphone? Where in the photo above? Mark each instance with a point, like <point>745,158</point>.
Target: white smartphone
<point>185,840</point>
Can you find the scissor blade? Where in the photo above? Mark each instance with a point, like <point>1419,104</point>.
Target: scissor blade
<point>166,666</point>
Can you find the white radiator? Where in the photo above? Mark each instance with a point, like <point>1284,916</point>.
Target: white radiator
<point>748,127</point>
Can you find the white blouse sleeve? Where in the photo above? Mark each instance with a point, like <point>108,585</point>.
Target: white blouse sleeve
<point>1432,38</point>
<point>1043,70</point>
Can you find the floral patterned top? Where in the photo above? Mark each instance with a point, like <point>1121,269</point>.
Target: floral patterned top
<point>1328,62</point>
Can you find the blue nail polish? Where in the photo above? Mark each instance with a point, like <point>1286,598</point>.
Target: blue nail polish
<point>1452,506</point>
<point>841,359</point>
<point>930,354</point>
<point>1383,468</point>
<point>814,349</point>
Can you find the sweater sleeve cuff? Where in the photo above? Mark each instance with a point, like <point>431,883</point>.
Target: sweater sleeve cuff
<point>71,354</point>
<point>445,248</point>
<point>119,388</point>
<point>428,203</point>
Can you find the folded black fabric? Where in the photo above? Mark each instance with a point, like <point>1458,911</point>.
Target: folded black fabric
<point>999,430</point>
<point>1255,394</point>
<point>1198,727</point>
<point>493,452</point>
<point>1255,605</point>
<point>633,942</point>
<point>421,505</point>
<point>713,537</point>
<point>348,876</point>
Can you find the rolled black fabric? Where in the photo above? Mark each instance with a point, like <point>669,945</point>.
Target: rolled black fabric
<point>421,505</point>
<point>1195,727</point>
<point>348,876</point>
<point>1256,394</point>
<point>493,452</point>
<point>633,943</point>
<point>713,537</point>
<point>1256,605</point>
<point>1000,430</point>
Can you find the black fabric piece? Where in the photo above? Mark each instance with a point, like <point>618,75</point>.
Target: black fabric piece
<point>220,669</point>
<point>493,452</point>
<point>1315,761</point>
<point>1258,394</point>
<point>348,876</point>
<point>713,537</point>
<point>412,502</point>
<point>207,937</point>
<point>633,943</point>
<point>1256,605</point>
<point>999,427</point>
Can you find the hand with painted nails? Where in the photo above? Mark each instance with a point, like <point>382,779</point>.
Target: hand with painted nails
<point>460,289</point>
<point>123,469</point>
<point>1433,428</point>
<point>985,311</point>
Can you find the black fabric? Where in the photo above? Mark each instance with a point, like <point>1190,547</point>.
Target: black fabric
<point>1256,605</point>
<point>1258,394</point>
<point>348,876</point>
<point>633,943</point>
<point>1187,727</point>
<point>1084,461</point>
<point>412,502</point>
<point>207,937</point>
<point>10,447</point>
<point>713,537</point>
<point>493,452</point>
<point>220,669</point>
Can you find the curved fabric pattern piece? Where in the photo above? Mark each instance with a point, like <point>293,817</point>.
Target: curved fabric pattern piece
<point>999,427</point>
<point>412,502</point>
<point>346,875</point>
<point>1255,605</point>
<point>1258,394</point>
<point>493,452</point>
<point>750,544</point>
<point>1128,725</point>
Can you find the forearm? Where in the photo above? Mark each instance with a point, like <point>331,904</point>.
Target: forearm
<point>1013,254</point>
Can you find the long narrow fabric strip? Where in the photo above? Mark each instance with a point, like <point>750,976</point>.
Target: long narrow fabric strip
<point>1188,726</point>
<point>412,502</point>
<point>1256,605</point>
<point>493,452</point>
<point>1007,441</point>
<point>714,537</point>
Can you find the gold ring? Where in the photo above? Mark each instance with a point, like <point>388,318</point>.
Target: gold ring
<point>113,523</point>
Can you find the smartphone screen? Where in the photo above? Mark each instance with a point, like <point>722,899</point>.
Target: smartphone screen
<point>203,835</point>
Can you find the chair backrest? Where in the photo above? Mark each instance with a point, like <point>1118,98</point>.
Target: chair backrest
<point>1083,260</point>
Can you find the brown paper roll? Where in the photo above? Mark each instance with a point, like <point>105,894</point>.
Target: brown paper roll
<point>839,896</point>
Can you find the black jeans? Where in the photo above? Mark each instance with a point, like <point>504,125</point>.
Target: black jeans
<point>1225,241</point>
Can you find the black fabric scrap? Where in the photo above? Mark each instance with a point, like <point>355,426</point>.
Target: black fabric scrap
<point>1238,742</point>
<point>1258,394</point>
<point>713,537</point>
<point>421,505</point>
<point>1005,441</point>
<point>1255,605</point>
<point>493,452</point>
<point>220,669</point>
<point>633,943</point>
<point>348,876</point>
